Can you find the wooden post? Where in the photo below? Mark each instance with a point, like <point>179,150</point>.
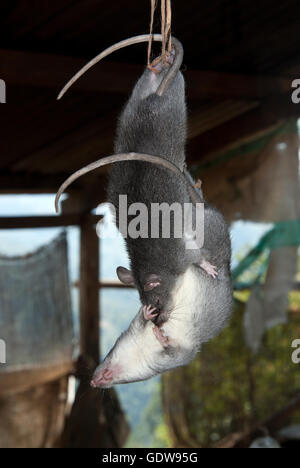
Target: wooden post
<point>89,291</point>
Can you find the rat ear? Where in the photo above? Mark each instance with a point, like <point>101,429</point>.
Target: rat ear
<point>125,276</point>
<point>152,281</point>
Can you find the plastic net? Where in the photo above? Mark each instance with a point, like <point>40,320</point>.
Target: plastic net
<point>35,309</point>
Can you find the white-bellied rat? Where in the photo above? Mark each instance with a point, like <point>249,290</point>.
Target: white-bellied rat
<point>186,294</point>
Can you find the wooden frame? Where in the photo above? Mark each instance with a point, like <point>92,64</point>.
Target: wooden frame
<point>33,222</point>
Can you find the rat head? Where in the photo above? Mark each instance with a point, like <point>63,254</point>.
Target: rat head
<point>154,288</point>
<point>137,355</point>
<point>145,350</point>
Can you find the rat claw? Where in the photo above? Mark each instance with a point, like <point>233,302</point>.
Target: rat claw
<point>164,340</point>
<point>210,269</point>
<point>148,312</point>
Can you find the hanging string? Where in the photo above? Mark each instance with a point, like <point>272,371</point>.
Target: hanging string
<point>163,29</point>
<point>168,25</point>
<point>166,22</point>
<point>153,8</point>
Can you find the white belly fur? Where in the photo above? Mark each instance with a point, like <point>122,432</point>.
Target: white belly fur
<point>186,311</point>
<point>185,315</point>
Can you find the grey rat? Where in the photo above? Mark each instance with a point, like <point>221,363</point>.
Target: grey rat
<point>186,294</point>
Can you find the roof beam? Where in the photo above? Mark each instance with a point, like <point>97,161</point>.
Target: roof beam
<point>235,125</point>
<point>243,128</point>
<point>29,222</point>
<point>30,183</point>
<point>78,147</point>
<point>53,71</point>
<point>202,84</point>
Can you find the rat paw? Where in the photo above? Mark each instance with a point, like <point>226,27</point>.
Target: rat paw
<point>164,340</point>
<point>209,269</point>
<point>149,312</point>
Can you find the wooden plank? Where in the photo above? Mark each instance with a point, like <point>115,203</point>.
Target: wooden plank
<point>207,117</point>
<point>209,83</point>
<point>243,128</point>
<point>89,291</point>
<point>110,284</point>
<point>78,147</point>
<point>25,133</point>
<point>19,381</point>
<point>30,222</point>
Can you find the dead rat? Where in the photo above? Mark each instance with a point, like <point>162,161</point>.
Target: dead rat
<point>187,293</point>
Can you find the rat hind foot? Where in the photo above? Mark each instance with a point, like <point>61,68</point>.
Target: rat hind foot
<point>149,312</point>
<point>164,340</point>
<point>198,184</point>
<point>209,269</point>
<point>160,63</point>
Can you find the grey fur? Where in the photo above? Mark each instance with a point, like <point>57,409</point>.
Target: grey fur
<point>147,125</point>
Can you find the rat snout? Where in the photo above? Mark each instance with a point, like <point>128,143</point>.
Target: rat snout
<point>105,376</point>
<point>102,379</point>
<point>159,305</point>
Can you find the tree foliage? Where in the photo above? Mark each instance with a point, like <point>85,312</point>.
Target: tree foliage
<point>227,388</point>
